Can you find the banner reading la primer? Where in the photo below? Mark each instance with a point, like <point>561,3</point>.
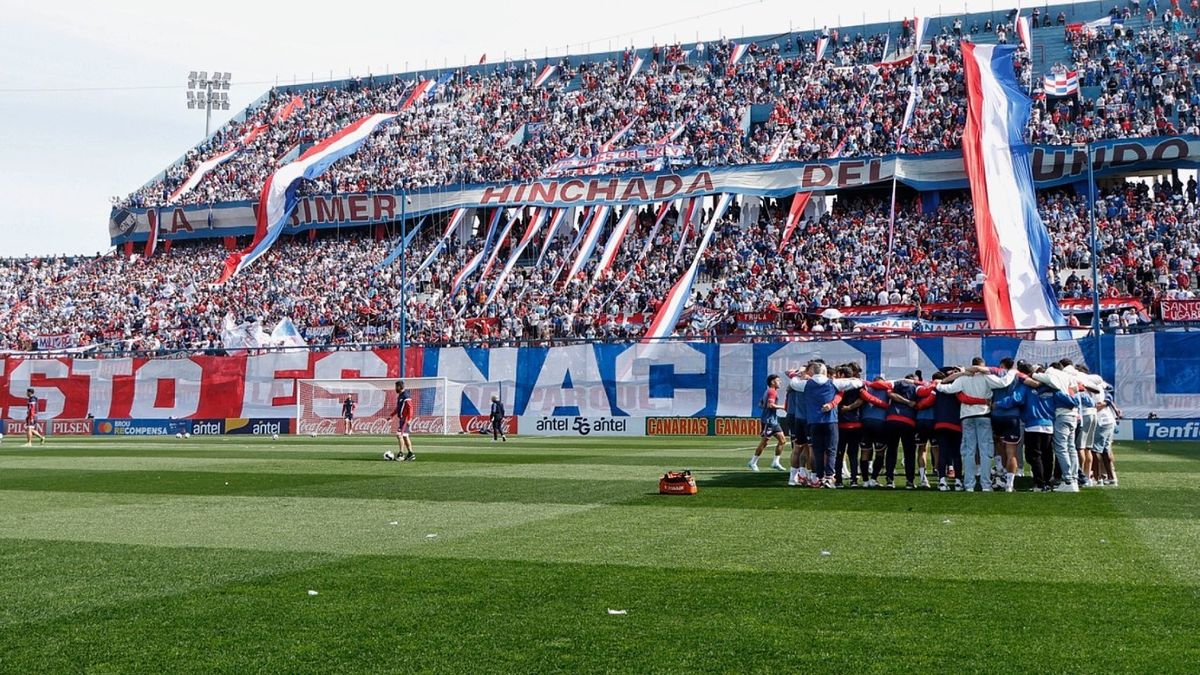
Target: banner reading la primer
<point>1052,166</point>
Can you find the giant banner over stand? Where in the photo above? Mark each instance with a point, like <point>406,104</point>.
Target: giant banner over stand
<point>1052,166</point>
<point>548,387</point>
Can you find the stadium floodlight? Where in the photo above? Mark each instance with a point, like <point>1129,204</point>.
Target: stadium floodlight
<point>207,93</point>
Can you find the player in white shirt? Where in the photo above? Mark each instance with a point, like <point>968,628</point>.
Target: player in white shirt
<point>1107,414</point>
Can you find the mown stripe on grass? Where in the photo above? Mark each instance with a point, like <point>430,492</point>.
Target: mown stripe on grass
<point>946,546</point>
<point>328,525</point>
<point>368,465</point>
<point>401,484</point>
<point>366,454</point>
<point>419,615</point>
<point>537,484</point>
<point>41,581</point>
<point>876,544</point>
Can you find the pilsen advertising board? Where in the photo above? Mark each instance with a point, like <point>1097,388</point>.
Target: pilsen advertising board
<point>1052,165</point>
<point>55,427</point>
<point>566,389</point>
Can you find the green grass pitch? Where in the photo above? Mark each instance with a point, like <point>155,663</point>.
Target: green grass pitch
<point>168,556</point>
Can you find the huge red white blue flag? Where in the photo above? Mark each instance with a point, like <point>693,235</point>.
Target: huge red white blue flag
<point>1014,247</point>
<point>278,198</point>
<point>663,324</point>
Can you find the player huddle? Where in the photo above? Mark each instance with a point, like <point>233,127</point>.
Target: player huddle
<point>971,421</point>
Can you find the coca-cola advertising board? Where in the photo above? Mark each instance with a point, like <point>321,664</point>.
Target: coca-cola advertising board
<point>482,424</point>
<point>371,426</point>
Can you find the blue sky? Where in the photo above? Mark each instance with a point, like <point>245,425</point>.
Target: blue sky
<point>122,67</point>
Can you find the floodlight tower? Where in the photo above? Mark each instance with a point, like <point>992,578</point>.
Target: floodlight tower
<point>206,93</point>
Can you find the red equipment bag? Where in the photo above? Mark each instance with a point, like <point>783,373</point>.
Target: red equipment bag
<point>677,483</point>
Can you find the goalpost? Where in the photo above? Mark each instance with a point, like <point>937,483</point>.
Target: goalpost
<point>319,405</point>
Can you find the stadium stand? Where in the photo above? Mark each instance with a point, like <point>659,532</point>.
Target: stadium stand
<point>464,133</point>
<point>1150,247</point>
<point>495,123</point>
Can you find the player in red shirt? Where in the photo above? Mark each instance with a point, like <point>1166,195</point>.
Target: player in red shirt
<point>771,409</point>
<point>403,414</point>
<point>31,423</point>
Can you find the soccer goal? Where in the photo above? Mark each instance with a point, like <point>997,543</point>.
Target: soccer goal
<point>319,405</point>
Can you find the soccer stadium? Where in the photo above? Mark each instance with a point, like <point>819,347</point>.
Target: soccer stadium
<point>857,344</point>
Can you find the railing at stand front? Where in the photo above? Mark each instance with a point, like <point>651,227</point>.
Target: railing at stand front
<point>1052,333</point>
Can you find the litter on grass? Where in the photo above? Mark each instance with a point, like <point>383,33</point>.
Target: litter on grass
<point>946,521</point>
<point>826,553</point>
<point>617,611</point>
<point>394,522</point>
<point>431,536</point>
<point>1103,541</point>
<point>312,592</point>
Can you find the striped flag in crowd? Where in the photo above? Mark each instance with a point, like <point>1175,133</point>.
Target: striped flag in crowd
<point>1061,83</point>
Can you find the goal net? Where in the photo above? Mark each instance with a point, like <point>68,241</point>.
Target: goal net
<point>319,405</point>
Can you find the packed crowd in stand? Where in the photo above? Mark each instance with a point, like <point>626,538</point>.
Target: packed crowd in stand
<point>495,125</point>
<point>1149,247</point>
<point>1147,80</point>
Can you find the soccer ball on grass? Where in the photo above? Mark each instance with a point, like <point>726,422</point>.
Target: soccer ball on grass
<point>388,455</point>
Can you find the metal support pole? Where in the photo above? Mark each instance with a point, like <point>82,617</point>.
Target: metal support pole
<point>1095,260</point>
<point>207,107</point>
<point>403,278</point>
